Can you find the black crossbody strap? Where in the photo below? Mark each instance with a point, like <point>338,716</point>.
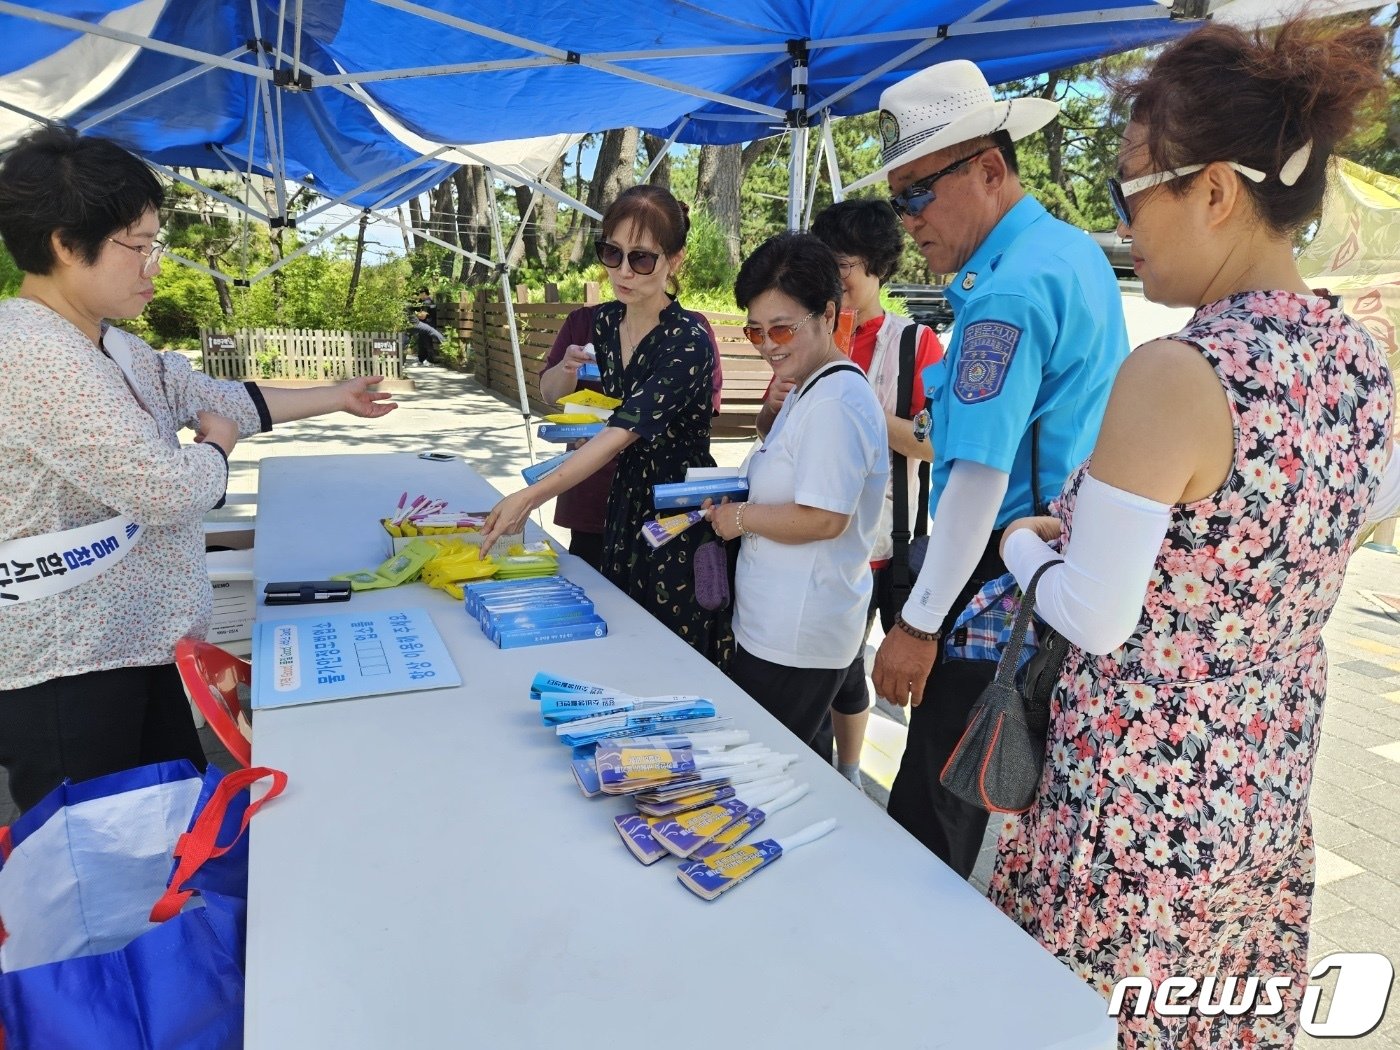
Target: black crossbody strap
<point>1040,507</point>
<point>899,472</point>
<point>830,372</point>
<point>900,581</point>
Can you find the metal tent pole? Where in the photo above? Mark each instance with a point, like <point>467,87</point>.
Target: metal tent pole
<point>797,125</point>
<point>496,239</point>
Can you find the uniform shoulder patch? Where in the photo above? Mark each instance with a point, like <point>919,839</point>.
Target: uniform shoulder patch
<point>984,357</point>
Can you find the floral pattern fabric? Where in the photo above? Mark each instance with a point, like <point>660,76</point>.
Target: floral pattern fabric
<point>1172,834</point>
<point>77,447</point>
<point>666,397</point>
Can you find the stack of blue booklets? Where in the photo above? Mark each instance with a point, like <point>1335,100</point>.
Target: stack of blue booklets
<point>535,611</point>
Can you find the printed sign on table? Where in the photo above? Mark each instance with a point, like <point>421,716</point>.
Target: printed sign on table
<point>314,658</point>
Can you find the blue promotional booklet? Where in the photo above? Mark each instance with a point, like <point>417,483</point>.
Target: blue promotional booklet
<point>562,433</point>
<point>315,658</point>
<point>680,495</point>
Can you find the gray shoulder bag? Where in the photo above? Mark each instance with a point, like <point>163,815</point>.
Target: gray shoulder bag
<point>998,761</point>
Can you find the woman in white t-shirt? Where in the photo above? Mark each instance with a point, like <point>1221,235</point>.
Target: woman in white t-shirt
<point>816,489</point>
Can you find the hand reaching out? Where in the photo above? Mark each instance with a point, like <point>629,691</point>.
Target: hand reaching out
<point>359,400</point>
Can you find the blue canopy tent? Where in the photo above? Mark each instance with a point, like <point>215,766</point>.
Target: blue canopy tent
<point>301,90</point>
<point>374,101</point>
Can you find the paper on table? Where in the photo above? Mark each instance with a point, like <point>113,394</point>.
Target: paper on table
<point>311,659</point>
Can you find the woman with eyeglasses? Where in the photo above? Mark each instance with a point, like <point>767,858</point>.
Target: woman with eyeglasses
<point>1204,544</point>
<point>658,359</point>
<point>101,542</point>
<point>816,492</point>
<point>867,240</point>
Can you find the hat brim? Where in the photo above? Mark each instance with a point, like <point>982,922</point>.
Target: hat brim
<point>1018,117</point>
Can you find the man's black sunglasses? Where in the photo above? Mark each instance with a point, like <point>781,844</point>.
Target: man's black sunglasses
<point>610,255</point>
<point>917,196</point>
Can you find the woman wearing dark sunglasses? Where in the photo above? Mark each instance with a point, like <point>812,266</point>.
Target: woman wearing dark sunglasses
<point>1203,547</point>
<point>658,359</point>
<point>816,492</point>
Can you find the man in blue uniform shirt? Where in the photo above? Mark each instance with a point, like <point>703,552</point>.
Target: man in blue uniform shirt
<point>1038,338</point>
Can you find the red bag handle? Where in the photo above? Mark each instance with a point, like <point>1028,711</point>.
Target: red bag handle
<point>201,842</point>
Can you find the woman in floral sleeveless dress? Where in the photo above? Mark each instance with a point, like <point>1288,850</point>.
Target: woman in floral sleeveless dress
<point>1172,836</point>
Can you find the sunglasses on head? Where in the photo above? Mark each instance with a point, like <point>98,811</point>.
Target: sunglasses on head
<point>780,334</point>
<point>610,255</point>
<point>1119,192</point>
<point>917,196</point>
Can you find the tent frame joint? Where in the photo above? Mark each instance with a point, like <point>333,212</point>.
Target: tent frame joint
<point>283,78</point>
<point>1191,10</point>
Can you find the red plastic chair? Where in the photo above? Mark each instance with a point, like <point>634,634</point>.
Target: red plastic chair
<point>212,677</point>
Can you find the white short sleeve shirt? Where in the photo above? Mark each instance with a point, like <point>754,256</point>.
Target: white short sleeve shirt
<point>804,604</point>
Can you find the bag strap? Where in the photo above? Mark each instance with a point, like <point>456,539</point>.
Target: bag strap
<point>201,842</point>
<point>847,367</point>
<point>900,582</point>
<point>1039,507</point>
<point>1010,660</point>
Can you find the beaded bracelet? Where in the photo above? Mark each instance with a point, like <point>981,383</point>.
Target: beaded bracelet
<point>739,521</point>
<point>914,632</point>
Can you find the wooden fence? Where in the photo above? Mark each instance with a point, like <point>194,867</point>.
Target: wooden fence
<point>301,353</point>
<point>484,326</point>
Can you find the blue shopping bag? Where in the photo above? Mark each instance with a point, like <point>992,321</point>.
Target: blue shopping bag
<point>103,945</point>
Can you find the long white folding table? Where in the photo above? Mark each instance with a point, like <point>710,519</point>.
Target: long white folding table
<point>432,877</point>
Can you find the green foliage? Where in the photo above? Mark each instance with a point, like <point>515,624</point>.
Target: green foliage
<point>10,275</point>
<point>185,301</point>
<point>706,254</point>
<point>571,285</point>
<point>709,300</point>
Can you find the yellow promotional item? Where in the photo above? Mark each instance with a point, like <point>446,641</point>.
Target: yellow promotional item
<point>571,417</point>
<point>590,404</point>
<point>590,399</point>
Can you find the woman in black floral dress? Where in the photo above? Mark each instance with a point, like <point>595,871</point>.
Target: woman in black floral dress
<point>656,358</point>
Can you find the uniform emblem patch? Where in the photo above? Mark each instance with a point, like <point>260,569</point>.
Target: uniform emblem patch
<point>889,129</point>
<point>983,360</point>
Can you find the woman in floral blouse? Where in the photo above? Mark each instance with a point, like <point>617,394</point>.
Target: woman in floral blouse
<point>1204,547</point>
<point>656,358</point>
<point>101,543</point>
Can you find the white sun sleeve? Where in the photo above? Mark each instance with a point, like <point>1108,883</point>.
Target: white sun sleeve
<point>1095,597</point>
<point>967,512</point>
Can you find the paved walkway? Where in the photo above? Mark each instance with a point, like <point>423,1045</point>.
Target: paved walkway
<point>1356,793</point>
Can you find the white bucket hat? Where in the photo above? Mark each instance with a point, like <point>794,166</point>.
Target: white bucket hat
<point>946,104</point>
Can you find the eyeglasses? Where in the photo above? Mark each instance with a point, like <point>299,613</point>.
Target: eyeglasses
<point>610,255</point>
<point>151,255</point>
<point>780,334</point>
<point>917,196</point>
<point>1119,192</point>
<point>845,266</point>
